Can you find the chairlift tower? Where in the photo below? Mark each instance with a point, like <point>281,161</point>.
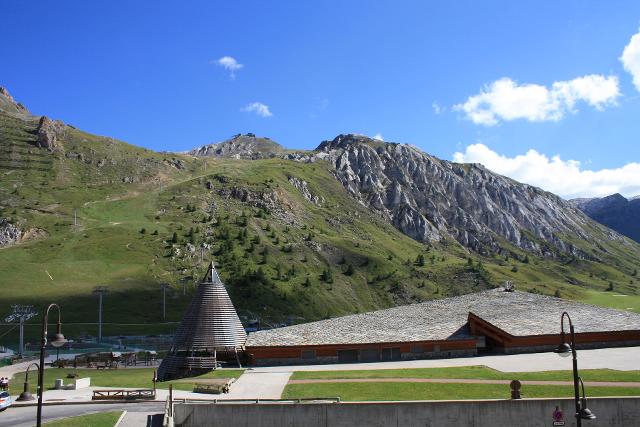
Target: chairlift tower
<point>21,313</point>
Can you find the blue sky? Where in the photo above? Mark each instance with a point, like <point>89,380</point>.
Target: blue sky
<point>148,73</point>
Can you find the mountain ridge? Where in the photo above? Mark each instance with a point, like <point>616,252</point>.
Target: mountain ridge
<point>295,234</point>
<point>615,211</point>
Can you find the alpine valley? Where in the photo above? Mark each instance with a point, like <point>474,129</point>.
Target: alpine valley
<point>355,225</point>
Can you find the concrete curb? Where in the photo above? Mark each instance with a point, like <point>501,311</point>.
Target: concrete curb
<point>120,419</point>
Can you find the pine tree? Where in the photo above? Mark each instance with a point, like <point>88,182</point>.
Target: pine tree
<point>420,260</point>
<point>349,270</point>
<point>174,238</point>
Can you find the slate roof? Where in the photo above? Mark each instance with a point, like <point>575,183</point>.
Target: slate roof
<point>517,313</point>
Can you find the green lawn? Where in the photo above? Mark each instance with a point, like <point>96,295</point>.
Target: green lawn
<point>474,372</point>
<point>613,299</point>
<point>102,419</point>
<point>431,391</point>
<point>126,378</point>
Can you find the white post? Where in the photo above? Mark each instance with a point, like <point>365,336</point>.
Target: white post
<point>21,346</point>
<point>100,317</point>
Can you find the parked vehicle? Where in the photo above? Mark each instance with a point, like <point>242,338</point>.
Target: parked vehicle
<point>5,400</point>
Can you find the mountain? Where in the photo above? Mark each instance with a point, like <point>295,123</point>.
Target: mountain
<point>430,199</point>
<point>240,146</point>
<point>615,211</point>
<point>353,226</point>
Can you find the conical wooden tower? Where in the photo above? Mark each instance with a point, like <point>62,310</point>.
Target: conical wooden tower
<point>210,332</point>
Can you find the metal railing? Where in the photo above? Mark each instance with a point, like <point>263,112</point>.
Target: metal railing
<point>147,394</point>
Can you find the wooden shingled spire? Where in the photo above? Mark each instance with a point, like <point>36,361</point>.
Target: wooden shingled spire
<point>210,331</point>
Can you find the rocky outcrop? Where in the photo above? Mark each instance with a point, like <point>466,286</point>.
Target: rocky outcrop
<point>430,199</point>
<point>246,146</point>
<point>615,211</point>
<point>269,200</point>
<point>302,185</point>
<point>48,133</point>
<point>9,105</point>
<point>9,233</point>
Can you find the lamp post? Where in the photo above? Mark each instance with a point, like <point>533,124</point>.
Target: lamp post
<point>26,394</point>
<point>58,341</point>
<point>564,350</point>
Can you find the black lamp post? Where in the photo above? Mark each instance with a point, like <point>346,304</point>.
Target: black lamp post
<point>26,394</point>
<point>58,341</point>
<point>564,350</point>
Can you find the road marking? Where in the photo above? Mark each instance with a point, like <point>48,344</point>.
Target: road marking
<point>120,419</point>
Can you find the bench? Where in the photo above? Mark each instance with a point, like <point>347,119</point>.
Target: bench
<point>213,387</point>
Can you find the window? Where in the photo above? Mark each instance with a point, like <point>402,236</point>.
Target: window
<point>308,354</point>
<point>417,348</point>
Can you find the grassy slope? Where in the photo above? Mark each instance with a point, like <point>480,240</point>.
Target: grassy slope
<point>42,190</point>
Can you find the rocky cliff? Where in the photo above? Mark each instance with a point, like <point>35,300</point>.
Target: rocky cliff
<point>430,199</point>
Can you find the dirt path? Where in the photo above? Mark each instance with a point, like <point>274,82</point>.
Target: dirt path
<point>461,381</point>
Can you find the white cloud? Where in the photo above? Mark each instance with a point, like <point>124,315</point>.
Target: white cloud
<point>437,108</point>
<point>507,100</point>
<point>564,177</point>
<point>378,136</point>
<point>257,107</point>
<point>631,59</point>
<point>230,64</point>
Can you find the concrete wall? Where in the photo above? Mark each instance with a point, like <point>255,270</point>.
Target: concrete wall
<point>611,412</point>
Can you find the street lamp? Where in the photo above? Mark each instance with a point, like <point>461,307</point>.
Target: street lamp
<point>26,394</point>
<point>585,413</point>
<point>564,350</point>
<point>58,341</point>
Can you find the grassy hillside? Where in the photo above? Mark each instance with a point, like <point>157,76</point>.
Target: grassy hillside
<point>105,213</point>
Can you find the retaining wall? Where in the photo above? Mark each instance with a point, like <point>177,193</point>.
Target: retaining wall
<point>611,412</point>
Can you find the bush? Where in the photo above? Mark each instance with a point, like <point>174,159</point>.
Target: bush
<point>349,270</point>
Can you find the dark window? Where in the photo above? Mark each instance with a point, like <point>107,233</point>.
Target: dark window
<point>347,355</point>
<point>391,353</point>
<point>308,354</point>
<point>369,355</point>
<point>417,348</point>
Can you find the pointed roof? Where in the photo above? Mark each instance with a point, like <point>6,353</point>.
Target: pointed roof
<point>211,321</point>
<point>212,275</point>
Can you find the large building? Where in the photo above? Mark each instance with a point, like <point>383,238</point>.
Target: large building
<point>497,321</point>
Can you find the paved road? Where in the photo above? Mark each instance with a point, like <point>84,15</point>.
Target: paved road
<point>26,416</point>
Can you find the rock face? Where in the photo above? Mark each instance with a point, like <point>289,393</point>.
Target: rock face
<point>430,199</point>
<point>302,185</point>
<point>615,211</point>
<point>241,146</point>
<point>9,105</point>
<point>9,233</point>
<point>48,132</point>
